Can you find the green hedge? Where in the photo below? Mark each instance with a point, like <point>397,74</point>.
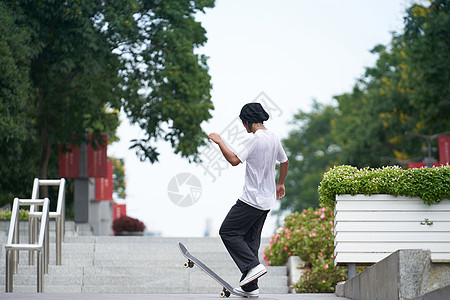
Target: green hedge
<point>5,214</point>
<point>430,184</point>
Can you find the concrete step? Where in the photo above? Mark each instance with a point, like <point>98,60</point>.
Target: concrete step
<point>165,271</point>
<point>93,264</point>
<point>49,280</point>
<point>171,280</point>
<point>153,270</point>
<point>70,229</point>
<point>23,226</point>
<point>29,289</point>
<point>150,240</point>
<point>73,254</point>
<point>139,277</point>
<point>52,270</point>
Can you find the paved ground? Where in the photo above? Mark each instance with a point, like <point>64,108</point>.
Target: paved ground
<point>160,296</point>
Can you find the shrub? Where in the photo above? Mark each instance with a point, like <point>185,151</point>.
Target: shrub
<point>321,277</point>
<point>126,223</point>
<point>309,235</point>
<point>430,184</point>
<point>5,214</point>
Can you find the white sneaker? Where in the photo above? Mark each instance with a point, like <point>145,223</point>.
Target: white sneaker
<point>252,294</point>
<point>253,274</point>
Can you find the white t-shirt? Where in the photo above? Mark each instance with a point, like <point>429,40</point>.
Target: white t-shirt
<point>261,153</point>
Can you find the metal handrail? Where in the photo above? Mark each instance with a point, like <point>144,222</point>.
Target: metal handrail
<point>58,215</point>
<point>13,245</point>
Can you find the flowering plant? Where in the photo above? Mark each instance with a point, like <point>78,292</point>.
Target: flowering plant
<point>430,184</point>
<point>309,235</point>
<point>126,223</point>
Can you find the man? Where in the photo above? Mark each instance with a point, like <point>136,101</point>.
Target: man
<point>242,227</point>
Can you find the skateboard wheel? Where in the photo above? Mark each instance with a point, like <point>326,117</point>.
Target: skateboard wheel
<point>225,293</point>
<point>189,264</point>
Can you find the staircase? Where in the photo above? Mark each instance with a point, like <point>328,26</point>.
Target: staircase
<point>134,265</point>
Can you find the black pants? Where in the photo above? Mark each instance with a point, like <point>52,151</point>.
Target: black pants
<point>241,234</point>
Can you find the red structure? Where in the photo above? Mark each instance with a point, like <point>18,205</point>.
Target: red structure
<point>97,157</point>
<point>444,149</point>
<point>69,162</point>
<point>104,185</point>
<point>417,165</point>
<point>444,154</point>
<point>72,164</point>
<point>84,163</point>
<point>119,210</point>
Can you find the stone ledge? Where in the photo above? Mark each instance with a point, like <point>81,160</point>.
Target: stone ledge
<point>403,275</point>
<point>440,294</point>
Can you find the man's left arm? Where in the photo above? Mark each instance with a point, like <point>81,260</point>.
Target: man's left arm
<point>281,191</point>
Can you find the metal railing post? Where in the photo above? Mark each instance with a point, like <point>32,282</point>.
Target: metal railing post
<point>32,221</point>
<point>13,245</point>
<point>15,254</point>
<point>60,220</point>
<point>58,215</point>
<point>39,244</point>
<point>32,236</point>
<point>47,246</point>
<point>9,272</point>
<point>40,273</point>
<point>42,265</point>
<point>58,240</point>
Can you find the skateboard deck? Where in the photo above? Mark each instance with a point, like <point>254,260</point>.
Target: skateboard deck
<point>227,288</point>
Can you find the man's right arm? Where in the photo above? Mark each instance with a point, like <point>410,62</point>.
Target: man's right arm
<point>227,153</point>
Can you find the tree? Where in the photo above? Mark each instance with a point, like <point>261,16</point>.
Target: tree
<point>374,117</point>
<point>120,185</point>
<point>89,59</point>
<point>407,90</point>
<point>426,46</point>
<point>15,126</point>
<point>312,149</point>
<point>179,99</point>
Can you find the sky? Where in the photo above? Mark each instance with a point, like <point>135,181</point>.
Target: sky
<point>282,53</point>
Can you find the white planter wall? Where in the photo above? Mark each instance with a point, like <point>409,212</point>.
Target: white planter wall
<point>369,228</point>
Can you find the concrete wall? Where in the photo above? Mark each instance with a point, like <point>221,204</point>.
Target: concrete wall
<point>100,217</point>
<point>97,214</point>
<point>404,275</point>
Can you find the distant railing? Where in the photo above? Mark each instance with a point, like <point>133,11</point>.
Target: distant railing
<point>58,215</point>
<point>13,245</point>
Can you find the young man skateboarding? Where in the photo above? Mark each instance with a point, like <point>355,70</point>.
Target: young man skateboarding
<point>242,227</point>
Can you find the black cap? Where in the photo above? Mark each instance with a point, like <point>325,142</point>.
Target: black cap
<point>253,113</point>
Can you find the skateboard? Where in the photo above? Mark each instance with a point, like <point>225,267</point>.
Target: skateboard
<point>227,288</point>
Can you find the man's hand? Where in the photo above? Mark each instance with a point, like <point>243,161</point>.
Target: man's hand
<point>215,137</point>
<point>227,153</point>
<point>280,191</point>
